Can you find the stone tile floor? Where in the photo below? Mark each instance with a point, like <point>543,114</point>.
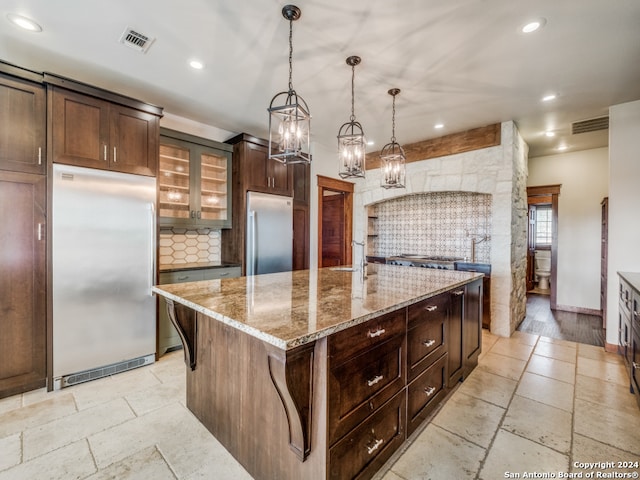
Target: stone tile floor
<point>534,404</point>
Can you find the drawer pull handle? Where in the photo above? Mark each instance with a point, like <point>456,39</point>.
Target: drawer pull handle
<point>429,343</point>
<point>457,293</point>
<point>431,308</point>
<point>375,334</point>
<point>375,446</point>
<point>183,278</point>
<point>636,366</point>
<point>430,391</point>
<point>374,380</point>
<point>224,274</point>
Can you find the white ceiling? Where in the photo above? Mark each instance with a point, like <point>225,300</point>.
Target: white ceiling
<point>463,63</point>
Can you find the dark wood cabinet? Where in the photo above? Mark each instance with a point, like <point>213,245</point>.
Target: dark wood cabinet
<point>264,175</point>
<point>472,324</point>
<point>22,282</point>
<point>23,120</point>
<point>456,338</point>
<point>427,333</point>
<point>253,171</point>
<point>301,208</point>
<point>629,328</point>
<point>88,131</point>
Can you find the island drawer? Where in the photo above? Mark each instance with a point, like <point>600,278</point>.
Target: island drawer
<point>360,385</point>
<point>433,308</point>
<point>425,392</point>
<point>365,449</point>
<point>347,343</point>
<point>180,276</point>
<point>426,341</point>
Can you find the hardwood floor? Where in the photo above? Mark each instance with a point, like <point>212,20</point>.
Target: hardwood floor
<point>575,327</point>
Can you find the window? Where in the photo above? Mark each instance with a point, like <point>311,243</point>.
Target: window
<point>543,226</point>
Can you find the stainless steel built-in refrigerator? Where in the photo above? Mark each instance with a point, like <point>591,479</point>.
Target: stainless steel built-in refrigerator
<point>269,241</point>
<point>104,316</point>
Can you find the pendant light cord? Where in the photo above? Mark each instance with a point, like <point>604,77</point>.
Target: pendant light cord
<point>353,76</point>
<point>393,121</point>
<point>290,55</point>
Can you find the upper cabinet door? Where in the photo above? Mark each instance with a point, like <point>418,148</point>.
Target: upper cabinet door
<point>95,133</point>
<point>134,141</point>
<point>80,130</point>
<point>215,199</point>
<point>23,119</point>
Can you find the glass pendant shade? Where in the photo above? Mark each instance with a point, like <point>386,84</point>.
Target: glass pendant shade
<point>392,156</point>
<point>289,116</point>
<point>351,139</point>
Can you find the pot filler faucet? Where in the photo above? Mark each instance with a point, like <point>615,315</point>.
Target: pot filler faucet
<point>362,258</point>
<point>475,241</point>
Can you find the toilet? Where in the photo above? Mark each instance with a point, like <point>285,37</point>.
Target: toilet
<point>543,268</point>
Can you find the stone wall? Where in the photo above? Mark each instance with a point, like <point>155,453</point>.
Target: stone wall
<point>499,171</point>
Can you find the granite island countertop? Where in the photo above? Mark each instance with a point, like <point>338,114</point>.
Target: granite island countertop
<point>289,309</point>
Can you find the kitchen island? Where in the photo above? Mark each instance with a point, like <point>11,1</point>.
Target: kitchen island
<point>322,373</point>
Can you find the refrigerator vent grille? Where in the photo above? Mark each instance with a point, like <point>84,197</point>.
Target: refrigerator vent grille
<point>591,125</point>
<point>136,40</point>
<point>100,372</point>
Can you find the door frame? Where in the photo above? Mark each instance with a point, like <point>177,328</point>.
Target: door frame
<point>552,191</point>
<point>346,188</point>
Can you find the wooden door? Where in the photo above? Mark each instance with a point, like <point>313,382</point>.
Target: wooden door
<point>80,126</point>
<point>23,119</point>
<point>22,282</point>
<point>333,230</point>
<point>134,139</point>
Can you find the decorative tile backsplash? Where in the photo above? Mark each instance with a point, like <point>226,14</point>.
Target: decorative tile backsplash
<point>179,245</point>
<point>439,223</point>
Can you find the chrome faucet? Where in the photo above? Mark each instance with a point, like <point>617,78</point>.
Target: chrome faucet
<point>475,241</point>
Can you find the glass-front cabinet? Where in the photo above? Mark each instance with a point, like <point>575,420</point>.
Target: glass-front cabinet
<point>194,181</point>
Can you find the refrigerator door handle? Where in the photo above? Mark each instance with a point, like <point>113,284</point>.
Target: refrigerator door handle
<point>253,259</point>
<point>152,246</point>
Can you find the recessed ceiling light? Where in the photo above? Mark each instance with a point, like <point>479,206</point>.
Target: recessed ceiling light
<point>550,134</point>
<point>439,125</point>
<point>197,64</point>
<point>534,25</point>
<point>548,98</point>
<point>24,22</point>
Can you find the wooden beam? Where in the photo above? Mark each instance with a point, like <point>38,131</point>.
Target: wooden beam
<point>474,139</point>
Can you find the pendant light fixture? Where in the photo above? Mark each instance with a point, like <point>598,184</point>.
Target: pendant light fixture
<point>351,141</point>
<point>289,117</point>
<point>392,155</point>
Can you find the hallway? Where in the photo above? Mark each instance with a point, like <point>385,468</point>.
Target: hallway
<point>574,327</point>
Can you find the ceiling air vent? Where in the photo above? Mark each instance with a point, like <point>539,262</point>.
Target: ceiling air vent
<point>136,40</point>
<point>591,125</point>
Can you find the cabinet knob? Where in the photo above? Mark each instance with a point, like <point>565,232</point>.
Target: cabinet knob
<point>372,448</point>
<point>429,343</point>
<point>374,380</point>
<point>457,293</point>
<point>431,308</point>
<point>430,391</point>
<point>375,334</point>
